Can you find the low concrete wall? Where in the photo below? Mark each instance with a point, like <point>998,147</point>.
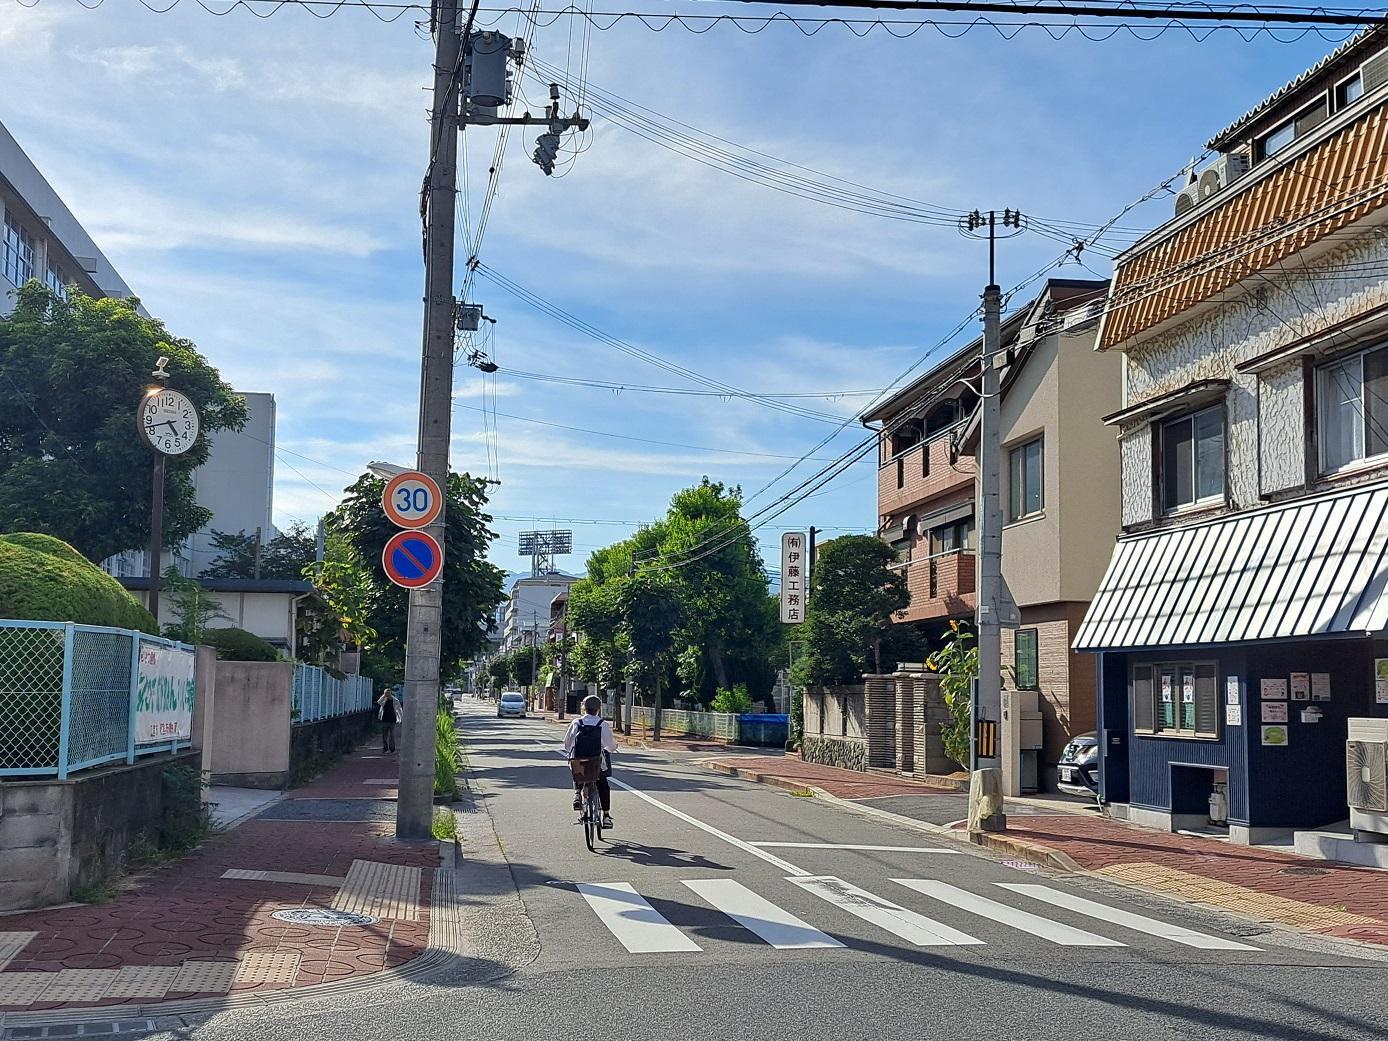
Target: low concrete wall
<point>251,724</point>
<point>58,834</point>
<point>313,743</point>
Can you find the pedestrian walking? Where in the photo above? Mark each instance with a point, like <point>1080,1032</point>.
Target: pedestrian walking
<point>388,711</point>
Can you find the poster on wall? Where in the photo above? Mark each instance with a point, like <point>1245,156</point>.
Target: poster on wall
<point>1381,681</point>
<point>1301,686</point>
<point>164,694</point>
<point>1274,690</point>
<point>1320,686</point>
<point>1233,715</point>
<point>1275,736</point>
<point>1231,689</point>
<point>1166,687</point>
<point>1274,711</point>
<point>1188,690</point>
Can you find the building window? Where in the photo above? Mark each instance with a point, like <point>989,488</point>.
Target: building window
<point>1350,91</point>
<point>1024,480</point>
<point>1176,699</point>
<point>17,252</point>
<point>1192,459</point>
<point>900,472</point>
<point>951,538</point>
<point>56,279</point>
<point>1299,125</point>
<point>1352,406</point>
<point>1025,660</point>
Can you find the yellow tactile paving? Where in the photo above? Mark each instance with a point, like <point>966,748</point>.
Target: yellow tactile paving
<point>1239,899</point>
<point>79,985</point>
<point>23,988</point>
<point>11,943</point>
<point>143,981</point>
<point>296,877</point>
<point>268,966</point>
<point>380,890</point>
<point>204,977</point>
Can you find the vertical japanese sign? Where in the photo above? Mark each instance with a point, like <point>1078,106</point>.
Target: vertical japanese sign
<point>792,577</point>
<point>164,695</point>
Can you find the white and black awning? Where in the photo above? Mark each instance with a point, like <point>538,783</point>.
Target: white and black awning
<point>1315,567</point>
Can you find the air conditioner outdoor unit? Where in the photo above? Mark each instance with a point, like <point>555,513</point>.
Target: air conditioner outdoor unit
<point>1223,172</point>
<point>1366,774</point>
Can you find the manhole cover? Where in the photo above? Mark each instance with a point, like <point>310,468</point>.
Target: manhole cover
<point>1305,871</point>
<point>323,916</point>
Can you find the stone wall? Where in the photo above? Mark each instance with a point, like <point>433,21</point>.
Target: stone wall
<point>848,753</point>
<point>55,835</point>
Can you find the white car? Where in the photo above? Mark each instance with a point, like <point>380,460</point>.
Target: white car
<point>511,703</point>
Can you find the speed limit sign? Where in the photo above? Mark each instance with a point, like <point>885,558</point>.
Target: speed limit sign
<point>411,500</point>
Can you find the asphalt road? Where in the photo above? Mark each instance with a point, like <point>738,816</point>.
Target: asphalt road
<point>726,910</point>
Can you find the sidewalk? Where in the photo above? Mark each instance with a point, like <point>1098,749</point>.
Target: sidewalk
<point>312,889</point>
<point>1258,883</point>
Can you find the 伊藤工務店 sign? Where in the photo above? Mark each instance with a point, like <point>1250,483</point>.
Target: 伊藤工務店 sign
<point>164,694</point>
<point>793,577</point>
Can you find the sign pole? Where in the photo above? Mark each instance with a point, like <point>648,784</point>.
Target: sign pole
<point>156,534</point>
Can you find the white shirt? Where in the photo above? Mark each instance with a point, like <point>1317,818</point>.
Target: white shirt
<point>609,742</point>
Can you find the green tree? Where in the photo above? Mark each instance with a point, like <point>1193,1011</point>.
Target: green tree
<point>735,701</point>
<point>472,586</point>
<point>499,671</point>
<point>652,614</point>
<point>520,665</point>
<point>282,557</point>
<point>72,373</point>
<point>848,628</point>
<point>235,555</point>
<point>192,606</point>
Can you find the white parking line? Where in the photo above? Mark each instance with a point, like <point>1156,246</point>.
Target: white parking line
<point>1056,932</point>
<point>776,926</point>
<point>1140,923</point>
<point>897,920</point>
<point>639,926</point>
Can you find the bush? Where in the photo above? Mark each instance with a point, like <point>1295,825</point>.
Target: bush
<point>238,645</point>
<point>736,701</point>
<point>45,579</point>
<point>446,755</point>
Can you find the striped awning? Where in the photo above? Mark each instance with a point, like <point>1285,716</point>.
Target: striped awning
<point>1308,568</point>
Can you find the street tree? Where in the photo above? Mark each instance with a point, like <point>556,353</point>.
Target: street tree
<point>601,654</point>
<point>472,586</point>
<point>652,614</point>
<point>848,628</point>
<point>249,554</point>
<point>72,373</point>
<point>499,672</point>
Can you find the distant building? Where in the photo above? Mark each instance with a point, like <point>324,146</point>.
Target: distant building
<point>526,620</point>
<point>40,238</point>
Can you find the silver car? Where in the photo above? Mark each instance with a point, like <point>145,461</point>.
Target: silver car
<point>511,703</point>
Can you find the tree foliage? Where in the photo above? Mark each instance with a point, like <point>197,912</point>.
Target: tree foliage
<point>472,586</point>
<point>957,663</point>
<point>72,373</point>
<point>285,556</point>
<point>45,579</point>
<point>192,605</point>
<point>848,628</point>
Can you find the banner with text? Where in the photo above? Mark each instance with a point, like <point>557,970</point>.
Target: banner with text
<point>792,577</point>
<point>164,694</point>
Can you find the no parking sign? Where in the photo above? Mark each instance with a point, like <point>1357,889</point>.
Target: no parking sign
<point>412,559</point>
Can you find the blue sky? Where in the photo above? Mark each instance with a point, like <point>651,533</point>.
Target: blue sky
<point>256,183</point>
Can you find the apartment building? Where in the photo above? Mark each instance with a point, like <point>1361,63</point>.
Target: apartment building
<point>1241,621</point>
<point>1060,500</point>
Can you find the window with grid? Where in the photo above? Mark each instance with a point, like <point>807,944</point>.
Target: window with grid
<point>1026,660</point>
<point>16,251</point>
<point>1024,480</point>
<point>55,278</point>
<point>1352,409</point>
<point>1192,458</point>
<point>949,538</point>
<point>1176,699</point>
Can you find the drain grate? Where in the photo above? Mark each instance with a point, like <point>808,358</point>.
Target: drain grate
<point>101,1028</point>
<point>1305,871</point>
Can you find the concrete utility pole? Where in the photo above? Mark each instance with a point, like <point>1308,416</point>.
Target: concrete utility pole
<point>991,597</point>
<point>414,813</point>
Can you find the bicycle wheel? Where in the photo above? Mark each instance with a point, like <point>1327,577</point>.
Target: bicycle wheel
<point>590,822</point>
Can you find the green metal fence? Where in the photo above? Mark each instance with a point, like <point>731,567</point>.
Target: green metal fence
<point>318,694</point>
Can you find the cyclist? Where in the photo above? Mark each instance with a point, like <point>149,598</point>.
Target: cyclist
<point>590,737</point>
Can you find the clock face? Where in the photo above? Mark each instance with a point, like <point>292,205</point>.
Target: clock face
<point>168,422</point>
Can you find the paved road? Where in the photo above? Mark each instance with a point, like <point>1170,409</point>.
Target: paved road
<point>723,909</point>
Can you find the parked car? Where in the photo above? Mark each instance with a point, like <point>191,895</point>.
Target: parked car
<point>511,703</point>
<point>1079,766</point>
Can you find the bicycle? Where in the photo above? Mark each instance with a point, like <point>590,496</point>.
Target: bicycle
<point>586,772</point>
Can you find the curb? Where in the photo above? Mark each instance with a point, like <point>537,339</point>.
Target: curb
<point>445,947</point>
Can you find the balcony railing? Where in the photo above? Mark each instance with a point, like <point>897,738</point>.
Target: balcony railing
<point>908,479</point>
<point>941,586</point>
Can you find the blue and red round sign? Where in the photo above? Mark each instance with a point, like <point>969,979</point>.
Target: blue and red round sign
<point>412,559</point>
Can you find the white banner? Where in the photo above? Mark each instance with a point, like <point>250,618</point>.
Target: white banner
<point>793,577</point>
<point>164,695</point>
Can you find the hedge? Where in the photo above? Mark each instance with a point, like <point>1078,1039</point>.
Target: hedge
<point>238,645</point>
<point>45,579</point>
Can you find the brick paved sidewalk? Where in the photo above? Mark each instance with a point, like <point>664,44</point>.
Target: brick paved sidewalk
<point>205,926</point>
<point>1267,885</point>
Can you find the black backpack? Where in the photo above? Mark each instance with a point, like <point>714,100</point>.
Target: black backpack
<point>588,742</point>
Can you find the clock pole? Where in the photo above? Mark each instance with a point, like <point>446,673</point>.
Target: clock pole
<point>156,534</point>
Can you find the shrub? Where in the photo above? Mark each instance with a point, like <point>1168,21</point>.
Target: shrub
<point>238,645</point>
<point>45,579</point>
<point>736,700</point>
<point>446,755</point>
<point>957,664</point>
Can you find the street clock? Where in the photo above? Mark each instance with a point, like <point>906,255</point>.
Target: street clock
<point>168,421</point>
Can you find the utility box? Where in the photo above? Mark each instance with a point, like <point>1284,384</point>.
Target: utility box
<point>1027,705</point>
<point>487,84</point>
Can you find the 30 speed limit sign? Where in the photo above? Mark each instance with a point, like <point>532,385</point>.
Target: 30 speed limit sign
<point>411,500</point>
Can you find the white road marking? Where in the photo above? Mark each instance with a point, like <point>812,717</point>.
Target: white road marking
<point>776,926</point>
<point>854,846</point>
<point>1027,922</point>
<point>912,927</point>
<point>1127,919</point>
<point>639,926</point>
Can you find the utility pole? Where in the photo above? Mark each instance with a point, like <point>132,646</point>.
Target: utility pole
<point>534,640</point>
<point>991,598</point>
<point>414,815</point>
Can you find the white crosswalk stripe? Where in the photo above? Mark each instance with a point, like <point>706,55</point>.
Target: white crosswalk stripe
<point>639,926</point>
<point>776,926</point>
<point>895,919</point>
<point>1056,932</point>
<point>1127,919</point>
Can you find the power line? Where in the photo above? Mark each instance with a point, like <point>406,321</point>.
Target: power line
<point>637,388</point>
